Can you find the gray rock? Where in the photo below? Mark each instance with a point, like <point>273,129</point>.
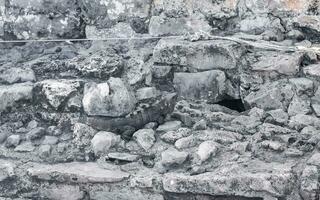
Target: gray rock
<point>124,193</point>
<point>76,172</point>
<point>207,149</point>
<point>308,22</point>
<point>13,141</point>
<point>209,85</point>
<point>50,140</point>
<point>161,71</point>
<point>25,147</point>
<point>32,124</point>
<point>10,94</point>
<point>300,121</point>
<point>57,92</point>
<point>309,183</point>
<point>200,125</point>
<point>247,182</point>
<point>15,75</point>
<point>173,136</point>
<point>4,132</point>
<point>36,133</point>
<point>303,86</point>
<point>314,160</point>
<point>312,70</point>
<point>202,55</point>
<point>273,145</point>
<point>277,116</point>
<point>110,99</point>
<point>258,24</point>
<point>147,93</point>
<point>61,192</point>
<point>120,30</point>
<point>186,142</point>
<point>287,64</point>
<point>82,134</point>
<point>299,105</point>
<point>103,141</point>
<point>101,64</point>
<point>169,126</point>
<point>163,26</point>
<point>44,151</point>
<point>172,157</point>
<point>271,96</point>
<point>7,170</point>
<point>145,138</point>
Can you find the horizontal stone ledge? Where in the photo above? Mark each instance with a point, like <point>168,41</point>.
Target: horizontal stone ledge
<point>76,172</point>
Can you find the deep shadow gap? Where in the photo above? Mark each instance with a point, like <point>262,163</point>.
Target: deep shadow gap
<point>233,104</point>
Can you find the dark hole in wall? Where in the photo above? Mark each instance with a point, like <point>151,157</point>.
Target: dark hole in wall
<point>233,104</point>
<point>189,196</point>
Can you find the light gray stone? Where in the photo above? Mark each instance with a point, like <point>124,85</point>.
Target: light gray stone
<point>10,94</point>
<point>82,134</point>
<point>51,140</point>
<point>110,99</point>
<point>173,136</point>
<point>186,142</point>
<point>312,70</point>
<point>15,75</point>
<point>36,133</point>
<point>147,93</point>
<point>172,157</point>
<point>161,71</point>
<point>169,126</point>
<point>145,138</point>
<point>207,149</point>
<point>58,91</point>
<point>309,185</point>
<point>62,192</point>
<point>277,116</point>
<point>300,121</point>
<point>303,86</point>
<point>103,141</point>
<point>44,151</point>
<point>13,141</point>
<point>201,55</point>
<point>299,105</point>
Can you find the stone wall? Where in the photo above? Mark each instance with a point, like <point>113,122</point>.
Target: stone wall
<point>229,110</point>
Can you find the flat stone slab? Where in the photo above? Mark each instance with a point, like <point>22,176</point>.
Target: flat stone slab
<point>268,181</point>
<point>77,172</point>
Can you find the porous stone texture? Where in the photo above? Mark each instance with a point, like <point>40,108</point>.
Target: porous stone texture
<point>160,99</point>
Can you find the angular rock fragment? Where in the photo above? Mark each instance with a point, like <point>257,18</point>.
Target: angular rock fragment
<point>62,192</point>
<point>173,136</point>
<point>145,138</point>
<point>300,121</point>
<point>58,91</point>
<point>147,93</point>
<point>299,105</point>
<point>186,142</point>
<point>303,86</point>
<point>271,96</point>
<point>309,185</point>
<point>312,70</point>
<point>13,141</point>
<point>111,99</point>
<point>82,134</point>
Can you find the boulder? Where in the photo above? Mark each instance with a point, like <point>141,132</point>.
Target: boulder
<point>209,85</point>
<point>111,99</point>
<point>10,94</point>
<point>200,55</point>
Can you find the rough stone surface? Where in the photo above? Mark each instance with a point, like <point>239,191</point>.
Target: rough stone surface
<point>108,99</point>
<point>171,157</point>
<point>145,138</point>
<point>13,93</point>
<point>76,173</point>
<point>103,141</point>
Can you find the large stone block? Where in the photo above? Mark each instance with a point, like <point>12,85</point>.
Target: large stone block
<point>111,99</point>
<point>201,56</point>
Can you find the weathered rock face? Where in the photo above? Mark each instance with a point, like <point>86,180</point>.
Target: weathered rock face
<point>163,99</point>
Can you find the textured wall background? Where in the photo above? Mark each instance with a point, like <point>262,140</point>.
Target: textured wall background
<point>90,18</point>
